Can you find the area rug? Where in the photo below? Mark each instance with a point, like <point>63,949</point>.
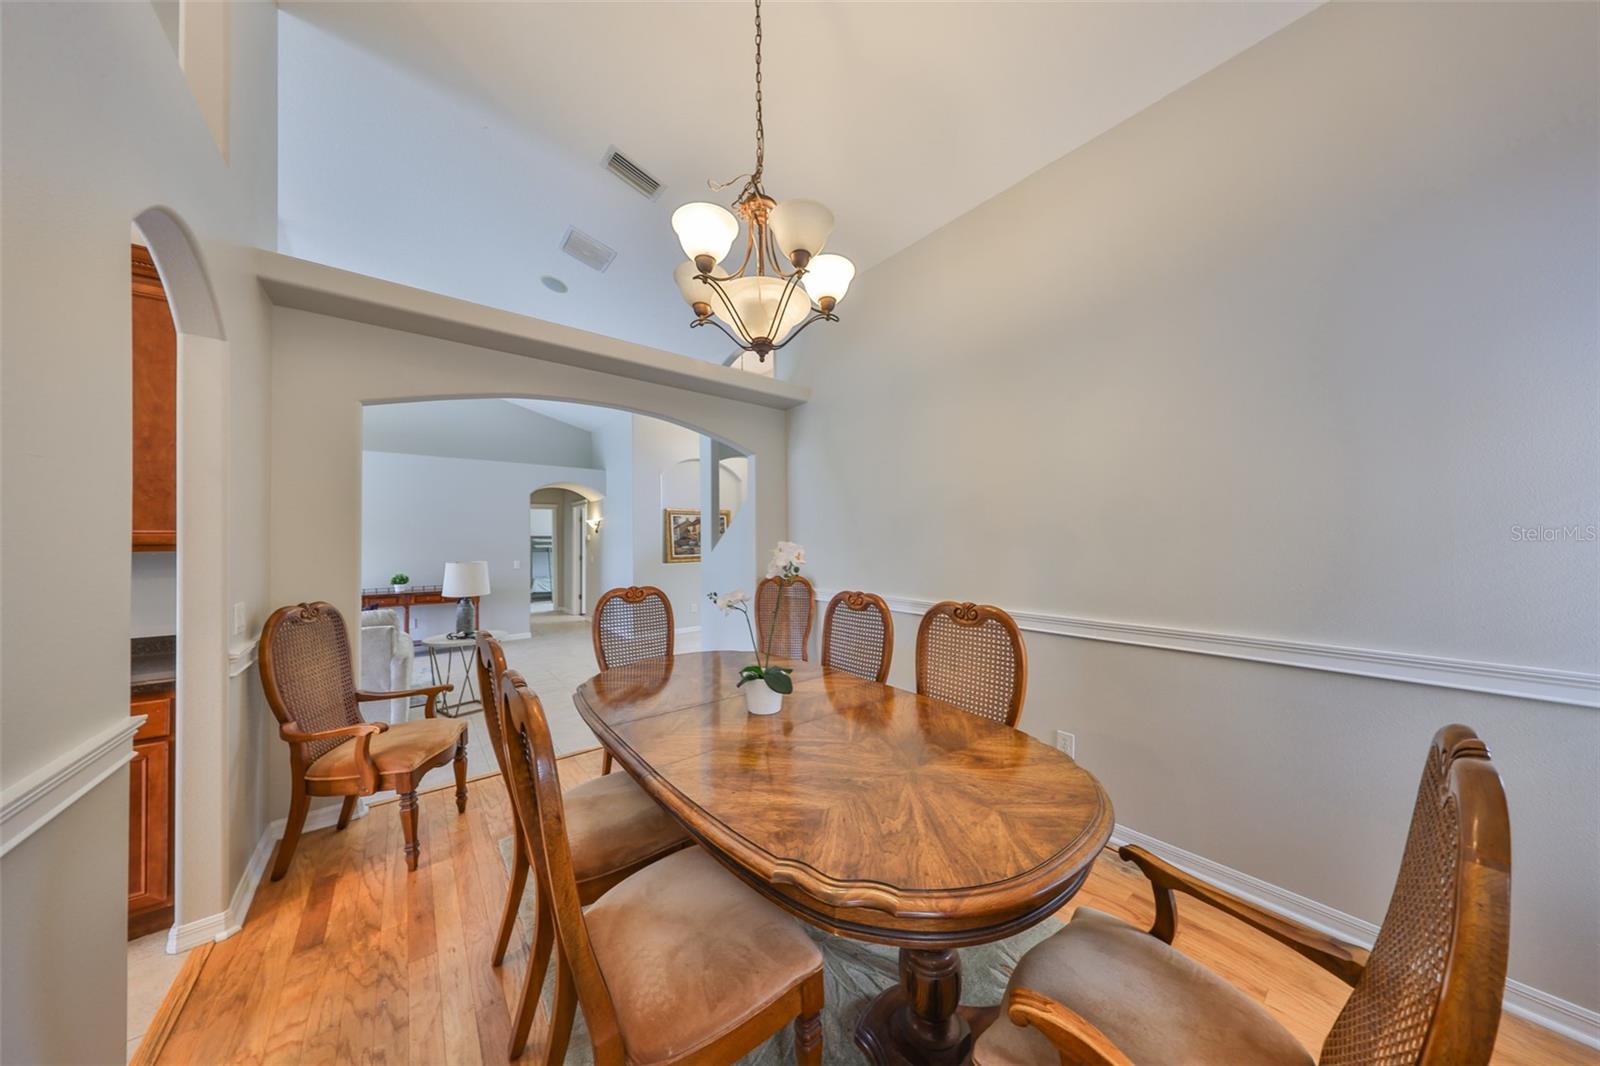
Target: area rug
<point>853,974</point>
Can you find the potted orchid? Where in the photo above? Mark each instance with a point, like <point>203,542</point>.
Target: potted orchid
<point>775,681</point>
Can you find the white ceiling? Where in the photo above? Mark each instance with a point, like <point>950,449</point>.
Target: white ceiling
<point>450,145</point>
<point>585,416</point>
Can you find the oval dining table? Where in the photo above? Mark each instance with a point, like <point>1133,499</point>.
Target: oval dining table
<point>867,811</point>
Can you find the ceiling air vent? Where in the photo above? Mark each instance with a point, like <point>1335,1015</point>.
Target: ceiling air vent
<point>586,250</point>
<point>632,173</point>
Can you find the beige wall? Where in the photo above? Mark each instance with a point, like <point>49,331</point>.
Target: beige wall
<point>323,368</point>
<point>1287,355</point>
<point>98,125</point>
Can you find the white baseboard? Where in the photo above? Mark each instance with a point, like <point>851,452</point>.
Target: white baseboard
<point>221,926</point>
<point>1569,1019</point>
<point>687,629</point>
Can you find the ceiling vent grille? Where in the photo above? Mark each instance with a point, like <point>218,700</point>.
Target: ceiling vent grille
<point>586,250</point>
<point>633,174</point>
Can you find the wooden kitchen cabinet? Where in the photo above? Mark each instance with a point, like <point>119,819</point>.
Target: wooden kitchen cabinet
<point>155,411</point>
<point>150,816</point>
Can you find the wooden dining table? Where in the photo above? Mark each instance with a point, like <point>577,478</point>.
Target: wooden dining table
<point>867,811</point>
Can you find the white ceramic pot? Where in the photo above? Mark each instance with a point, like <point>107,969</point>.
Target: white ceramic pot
<point>397,588</point>
<point>759,699</point>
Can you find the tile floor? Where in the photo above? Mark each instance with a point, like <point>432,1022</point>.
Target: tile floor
<point>150,973</point>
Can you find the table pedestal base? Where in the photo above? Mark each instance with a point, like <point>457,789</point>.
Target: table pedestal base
<point>920,1021</point>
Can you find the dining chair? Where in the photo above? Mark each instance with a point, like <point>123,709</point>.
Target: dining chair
<point>784,609</point>
<point>1429,992</point>
<point>858,635</point>
<point>681,962</point>
<point>308,678</point>
<point>972,655</point>
<point>619,828</point>
<point>631,624</point>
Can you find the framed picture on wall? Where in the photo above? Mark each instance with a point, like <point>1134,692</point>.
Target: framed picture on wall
<point>680,534</point>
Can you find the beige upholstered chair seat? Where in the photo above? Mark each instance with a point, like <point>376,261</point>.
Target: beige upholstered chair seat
<point>399,749</point>
<point>689,953</point>
<point>1156,1005</point>
<point>614,825</point>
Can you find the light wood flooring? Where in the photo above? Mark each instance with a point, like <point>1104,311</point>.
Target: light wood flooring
<point>351,959</point>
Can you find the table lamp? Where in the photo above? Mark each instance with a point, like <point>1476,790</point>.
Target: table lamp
<point>463,582</point>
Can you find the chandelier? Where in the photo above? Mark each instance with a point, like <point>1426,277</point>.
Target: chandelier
<point>756,305</point>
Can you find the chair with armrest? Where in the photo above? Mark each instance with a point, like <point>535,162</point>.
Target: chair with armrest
<point>681,962</point>
<point>387,658</point>
<point>1102,992</point>
<point>308,679</point>
<point>630,625</point>
<point>615,829</point>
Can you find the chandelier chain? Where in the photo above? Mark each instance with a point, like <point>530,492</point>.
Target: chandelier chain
<point>761,132</point>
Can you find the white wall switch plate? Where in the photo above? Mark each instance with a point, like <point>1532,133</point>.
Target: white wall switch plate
<point>1066,742</point>
<point>516,564</point>
<point>238,619</point>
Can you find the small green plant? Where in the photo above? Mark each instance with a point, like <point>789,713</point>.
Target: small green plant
<point>400,579</point>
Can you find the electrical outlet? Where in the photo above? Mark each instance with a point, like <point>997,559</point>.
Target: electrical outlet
<point>1067,743</point>
<point>516,564</point>
<point>238,619</point>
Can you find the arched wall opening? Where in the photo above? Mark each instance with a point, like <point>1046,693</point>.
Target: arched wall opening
<point>326,370</point>
<point>200,842</point>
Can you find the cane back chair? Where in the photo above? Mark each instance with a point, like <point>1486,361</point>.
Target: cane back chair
<point>742,968</point>
<point>972,655</point>
<point>784,609</point>
<point>858,635</point>
<point>308,678</point>
<point>615,830</point>
<point>1428,993</point>
<point>631,624</point>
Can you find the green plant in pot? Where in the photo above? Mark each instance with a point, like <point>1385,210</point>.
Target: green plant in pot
<point>399,581</point>
<point>764,685</point>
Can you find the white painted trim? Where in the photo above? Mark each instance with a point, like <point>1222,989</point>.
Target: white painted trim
<point>686,629</point>
<point>242,656</point>
<point>30,804</point>
<point>1501,679</point>
<point>181,938</point>
<point>1541,1008</point>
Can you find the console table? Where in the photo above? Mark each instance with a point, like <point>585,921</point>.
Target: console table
<point>414,596</point>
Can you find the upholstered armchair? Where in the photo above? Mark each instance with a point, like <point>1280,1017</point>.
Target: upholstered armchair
<point>387,658</point>
<point>308,678</point>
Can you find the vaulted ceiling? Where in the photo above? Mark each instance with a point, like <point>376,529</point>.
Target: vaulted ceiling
<point>451,145</point>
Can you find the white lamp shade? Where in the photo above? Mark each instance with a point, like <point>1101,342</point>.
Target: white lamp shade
<point>466,579</point>
<point>800,225</point>
<point>694,291</point>
<point>757,300</point>
<point>828,275</point>
<point>705,229</point>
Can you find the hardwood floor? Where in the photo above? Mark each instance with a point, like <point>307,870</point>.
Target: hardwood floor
<point>350,959</point>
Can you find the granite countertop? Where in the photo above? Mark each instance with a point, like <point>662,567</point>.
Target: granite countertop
<point>154,665</point>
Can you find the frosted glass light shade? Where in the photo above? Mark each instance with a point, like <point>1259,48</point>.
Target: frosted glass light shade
<point>705,229</point>
<point>694,290</point>
<point>466,579</point>
<point>757,299</point>
<point>800,225</point>
<point>828,275</point>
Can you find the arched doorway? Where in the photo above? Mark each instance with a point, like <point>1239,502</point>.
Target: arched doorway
<point>200,829</point>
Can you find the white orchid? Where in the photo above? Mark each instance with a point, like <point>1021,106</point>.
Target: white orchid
<point>787,559</point>
<point>727,602</point>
